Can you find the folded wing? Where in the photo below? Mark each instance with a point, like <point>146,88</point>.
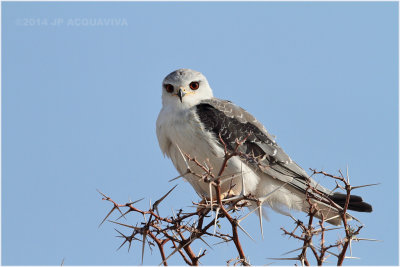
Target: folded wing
<point>232,123</point>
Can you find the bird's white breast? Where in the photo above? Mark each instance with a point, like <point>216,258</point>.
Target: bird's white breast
<point>181,128</point>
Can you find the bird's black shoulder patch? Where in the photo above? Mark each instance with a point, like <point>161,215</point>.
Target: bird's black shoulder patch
<point>230,129</point>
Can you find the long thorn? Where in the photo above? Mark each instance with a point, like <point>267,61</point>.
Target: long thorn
<point>241,228</point>
<point>366,239</point>
<point>211,199</point>
<point>184,159</point>
<point>228,177</point>
<point>215,220</point>
<point>270,193</point>
<point>155,205</point>
<point>243,193</point>
<point>285,259</point>
<point>260,218</point>
<point>123,215</point>
<point>126,225</point>
<point>360,186</point>
<point>134,202</point>
<point>105,196</point>
<point>294,250</point>
<point>205,242</point>
<point>107,216</point>
<point>247,215</point>
<point>143,245</point>
<point>173,179</point>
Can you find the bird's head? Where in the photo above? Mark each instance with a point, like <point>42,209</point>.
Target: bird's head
<point>185,87</point>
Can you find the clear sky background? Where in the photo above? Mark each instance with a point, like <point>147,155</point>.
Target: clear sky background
<point>79,106</point>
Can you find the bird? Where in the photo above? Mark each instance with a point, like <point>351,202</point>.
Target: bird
<point>193,123</point>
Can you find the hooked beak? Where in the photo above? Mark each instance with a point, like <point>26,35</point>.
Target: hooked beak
<point>181,94</point>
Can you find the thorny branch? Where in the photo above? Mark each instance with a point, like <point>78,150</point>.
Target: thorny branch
<point>310,231</point>
<point>174,234</point>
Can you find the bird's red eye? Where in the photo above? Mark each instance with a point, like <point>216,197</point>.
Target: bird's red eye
<point>169,88</point>
<point>194,85</point>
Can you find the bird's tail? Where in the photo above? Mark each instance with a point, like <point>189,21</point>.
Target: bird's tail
<point>356,203</point>
<point>332,215</point>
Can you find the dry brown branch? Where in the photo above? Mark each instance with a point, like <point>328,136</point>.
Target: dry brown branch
<point>309,232</point>
<point>174,235</point>
<point>160,230</point>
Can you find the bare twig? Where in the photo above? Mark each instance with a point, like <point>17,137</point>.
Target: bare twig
<point>182,229</point>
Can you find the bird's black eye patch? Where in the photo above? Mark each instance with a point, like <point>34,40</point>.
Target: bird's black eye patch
<point>194,85</point>
<point>169,88</point>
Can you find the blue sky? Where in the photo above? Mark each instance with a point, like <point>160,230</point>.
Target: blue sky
<point>79,105</point>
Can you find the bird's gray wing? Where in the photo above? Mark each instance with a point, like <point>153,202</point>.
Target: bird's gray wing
<point>232,123</point>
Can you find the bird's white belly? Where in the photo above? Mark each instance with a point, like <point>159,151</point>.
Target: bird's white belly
<point>197,143</point>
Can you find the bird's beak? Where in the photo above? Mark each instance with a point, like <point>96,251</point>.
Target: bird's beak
<point>181,94</point>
